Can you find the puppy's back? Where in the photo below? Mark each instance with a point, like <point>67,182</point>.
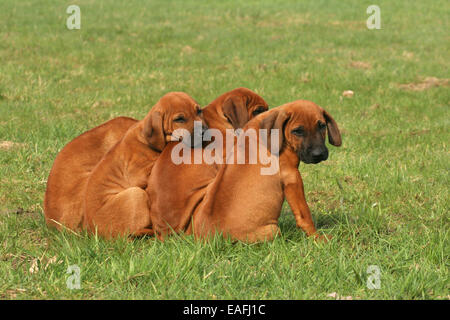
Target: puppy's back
<point>71,169</point>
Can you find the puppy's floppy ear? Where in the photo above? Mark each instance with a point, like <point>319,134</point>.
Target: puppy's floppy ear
<point>235,110</point>
<point>275,120</point>
<point>334,135</point>
<point>154,131</point>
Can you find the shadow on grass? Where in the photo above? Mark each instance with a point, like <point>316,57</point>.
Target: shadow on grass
<point>336,223</point>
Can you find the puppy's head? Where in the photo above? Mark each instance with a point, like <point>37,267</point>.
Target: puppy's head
<point>304,126</point>
<point>173,115</point>
<point>238,106</point>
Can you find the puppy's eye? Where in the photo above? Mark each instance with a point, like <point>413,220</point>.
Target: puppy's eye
<point>300,131</point>
<point>321,125</point>
<point>258,111</point>
<point>179,119</point>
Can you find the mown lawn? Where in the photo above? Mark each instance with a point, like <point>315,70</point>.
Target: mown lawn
<point>383,195</point>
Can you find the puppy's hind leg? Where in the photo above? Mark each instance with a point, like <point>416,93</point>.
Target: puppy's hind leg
<point>125,213</point>
<point>261,234</point>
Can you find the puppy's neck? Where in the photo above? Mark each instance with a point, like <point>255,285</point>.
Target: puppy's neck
<point>290,157</point>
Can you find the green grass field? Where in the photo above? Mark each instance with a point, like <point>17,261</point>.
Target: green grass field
<point>383,196</point>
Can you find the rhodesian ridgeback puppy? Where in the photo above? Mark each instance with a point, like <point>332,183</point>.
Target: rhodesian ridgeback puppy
<point>115,201</point>
<point>64,196</point>
<point>239,201</point>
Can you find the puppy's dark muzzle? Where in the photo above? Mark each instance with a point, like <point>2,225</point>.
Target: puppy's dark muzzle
<point>198,136</point>
<point>204,128</point>
<point>316,155</point>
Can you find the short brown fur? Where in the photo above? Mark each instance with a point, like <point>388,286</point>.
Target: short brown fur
<point>63,202</point>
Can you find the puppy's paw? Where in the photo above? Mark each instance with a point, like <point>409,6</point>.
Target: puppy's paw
<point>324,238</point>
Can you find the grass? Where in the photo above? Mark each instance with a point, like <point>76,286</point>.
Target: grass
<point>383,195</point>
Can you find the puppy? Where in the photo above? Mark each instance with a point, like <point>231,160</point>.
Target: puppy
<point>115,201</point>
<point>63,202</point>
<point>239,201</point>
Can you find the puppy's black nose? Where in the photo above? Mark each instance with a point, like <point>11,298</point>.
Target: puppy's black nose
<point>319,154</point>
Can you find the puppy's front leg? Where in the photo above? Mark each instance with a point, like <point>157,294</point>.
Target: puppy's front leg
<point>295,196</point>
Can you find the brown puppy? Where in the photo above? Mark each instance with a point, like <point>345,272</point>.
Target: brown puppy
<point>241,202</point>
<point>115,201</point>
<point>63,202</point>
<point>231,110</point>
